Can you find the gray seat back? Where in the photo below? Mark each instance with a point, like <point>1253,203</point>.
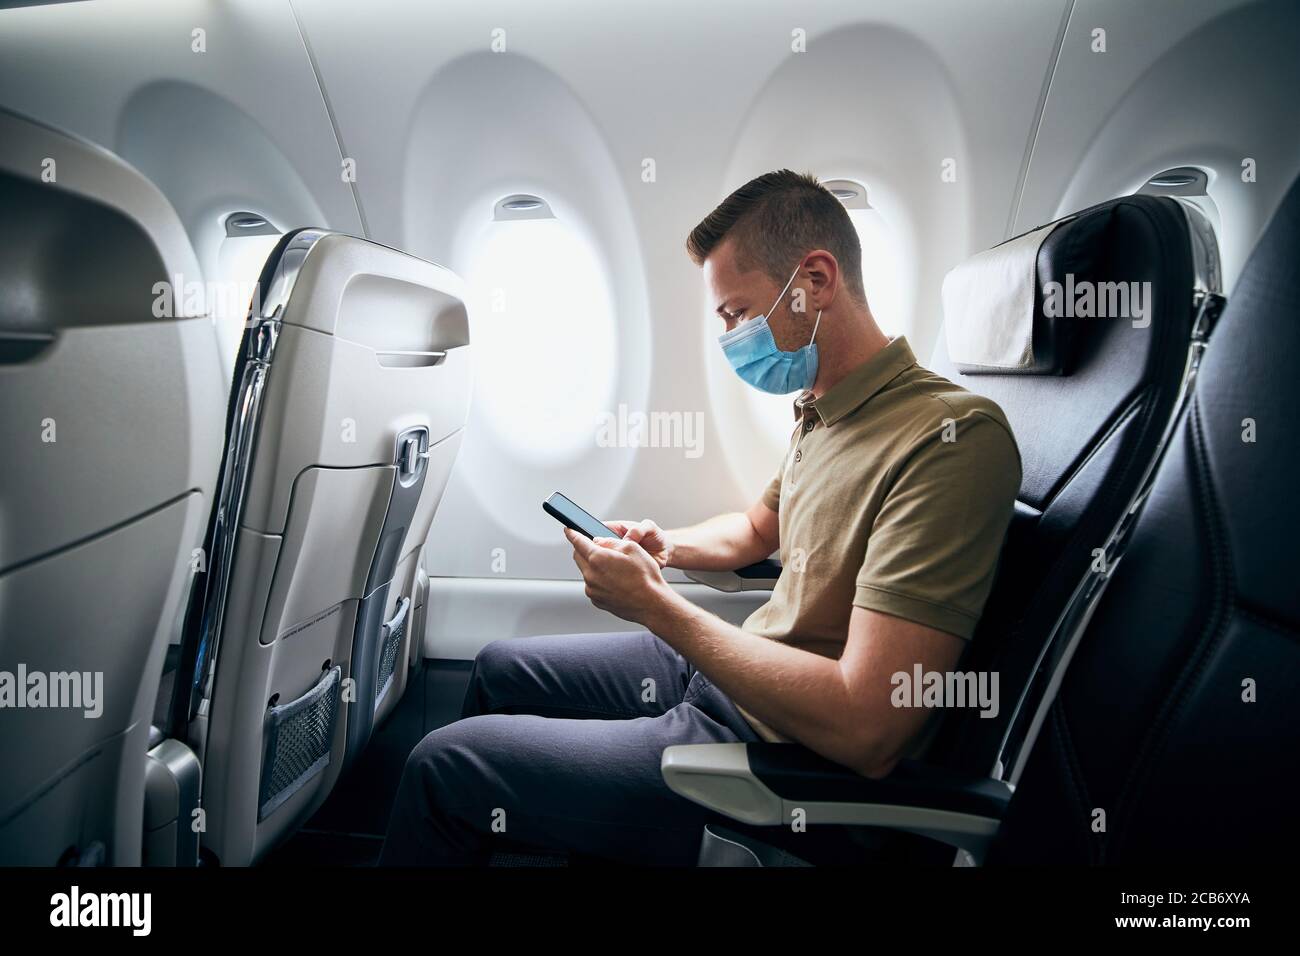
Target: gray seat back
<point>110,419</point>
<point>343,427</point>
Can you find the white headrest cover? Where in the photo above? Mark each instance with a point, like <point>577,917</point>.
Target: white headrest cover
<point>988,305</point>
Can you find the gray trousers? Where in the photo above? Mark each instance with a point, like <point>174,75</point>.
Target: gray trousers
<point>558,749</point>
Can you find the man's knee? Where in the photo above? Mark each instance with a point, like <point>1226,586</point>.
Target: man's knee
<point>447,766</point>
<point>445,800</point>
<point>494,665</point>
<point>495,657</point>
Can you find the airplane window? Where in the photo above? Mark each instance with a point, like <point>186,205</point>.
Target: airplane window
<point>545,340</point>
<point>239,263</point>
<point>1193,184</point>
<point>1208,206</point>
<point>882,269</point>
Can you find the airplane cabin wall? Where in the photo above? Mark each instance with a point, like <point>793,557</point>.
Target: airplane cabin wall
<point>598,314</point>
<point>1205,83</point>
<point>441,127</point>
<point>240,126</point>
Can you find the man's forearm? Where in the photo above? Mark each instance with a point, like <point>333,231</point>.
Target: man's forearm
<point>796,692</point>
<point>722,543</point>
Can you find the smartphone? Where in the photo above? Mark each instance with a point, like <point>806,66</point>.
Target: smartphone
<point>571,516</point>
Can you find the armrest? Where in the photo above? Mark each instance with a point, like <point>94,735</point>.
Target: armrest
<point>760,576</point>
<point>764,784</point>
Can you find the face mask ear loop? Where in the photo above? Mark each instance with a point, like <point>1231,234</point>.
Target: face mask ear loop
<point>815,325</point>
<point>783,291</point>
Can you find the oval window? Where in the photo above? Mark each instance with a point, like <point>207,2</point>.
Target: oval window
<point>239,263</point>
<point>882,270</point>
<point>545,341</point>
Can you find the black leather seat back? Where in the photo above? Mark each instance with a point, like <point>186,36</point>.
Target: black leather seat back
<point>1085,437</point>
<point>1173,738</point>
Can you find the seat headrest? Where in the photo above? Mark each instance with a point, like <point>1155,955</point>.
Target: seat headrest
<point>100,221</point>
<point>1014,309</point>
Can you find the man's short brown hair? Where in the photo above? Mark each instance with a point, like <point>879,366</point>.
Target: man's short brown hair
<point>777,219</point>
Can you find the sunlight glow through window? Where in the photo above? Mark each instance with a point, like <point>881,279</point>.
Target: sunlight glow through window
<point>882,269</point>
<point>239,263</point>
<point>545,338</point>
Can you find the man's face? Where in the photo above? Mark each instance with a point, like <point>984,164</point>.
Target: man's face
<point>740,296</point>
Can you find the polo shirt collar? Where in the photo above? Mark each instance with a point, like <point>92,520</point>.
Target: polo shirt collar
<point>861,384</point>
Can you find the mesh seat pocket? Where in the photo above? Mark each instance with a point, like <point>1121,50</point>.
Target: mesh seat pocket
<point>298,738</point>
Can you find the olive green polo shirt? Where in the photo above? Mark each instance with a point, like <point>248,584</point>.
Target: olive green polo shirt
<point>894,495</point>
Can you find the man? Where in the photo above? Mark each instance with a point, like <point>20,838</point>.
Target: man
<point>889,512</point>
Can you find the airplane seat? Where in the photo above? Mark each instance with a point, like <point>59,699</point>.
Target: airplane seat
<point>110,415</point>
<point>342,430</point>
<point>1172,737</point>
<point>1167,734</point>
<point>1091,400</point>
<point>1090,418</point>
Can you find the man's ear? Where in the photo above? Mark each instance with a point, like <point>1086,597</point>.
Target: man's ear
<point>824,273</point>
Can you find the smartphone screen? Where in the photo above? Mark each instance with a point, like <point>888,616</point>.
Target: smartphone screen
<point>571,516</point>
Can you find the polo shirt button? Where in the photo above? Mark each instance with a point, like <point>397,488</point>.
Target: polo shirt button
<point>798,456</point>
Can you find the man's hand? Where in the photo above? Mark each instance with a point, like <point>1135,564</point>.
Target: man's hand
<point>649,535</point>
<point>621,577</point>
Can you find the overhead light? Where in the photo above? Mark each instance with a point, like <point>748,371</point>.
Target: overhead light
<point>848,191</point>
<point>522,206</point>
<point>249,224</point>
<point>1179,181</point>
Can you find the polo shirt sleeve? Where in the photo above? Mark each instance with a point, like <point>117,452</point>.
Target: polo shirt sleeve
<point>934,544</point>
<point>772,493</point>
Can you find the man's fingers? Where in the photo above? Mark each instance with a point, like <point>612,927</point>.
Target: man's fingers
<point>633,530</point>
<point>581,557</point>
<point>581,543</point>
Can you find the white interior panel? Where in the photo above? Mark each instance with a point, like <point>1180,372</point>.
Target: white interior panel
<point>238,125</point>
<point>463,614</point>
<point>632,121</point>
<point>575,109</point>
<point>1203,83</point>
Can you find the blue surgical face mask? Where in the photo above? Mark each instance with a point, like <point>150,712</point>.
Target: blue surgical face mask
<point>752,352</point>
